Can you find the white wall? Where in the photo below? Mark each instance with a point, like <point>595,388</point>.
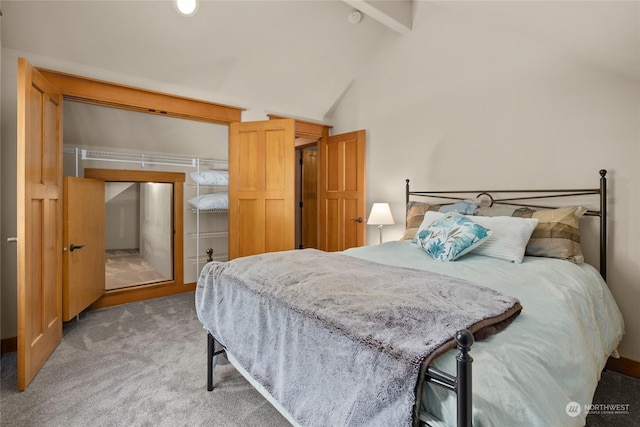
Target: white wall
<point>122,227</point>
<point>497,94</point>
<point>156,226</point>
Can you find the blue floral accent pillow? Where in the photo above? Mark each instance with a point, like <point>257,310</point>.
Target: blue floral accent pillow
<point>452,236</point>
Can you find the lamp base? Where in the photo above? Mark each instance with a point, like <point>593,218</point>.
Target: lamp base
<point>380,228</point>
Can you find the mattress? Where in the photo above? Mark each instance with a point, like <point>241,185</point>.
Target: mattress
<point>340,340</point>
<point>550,357</point>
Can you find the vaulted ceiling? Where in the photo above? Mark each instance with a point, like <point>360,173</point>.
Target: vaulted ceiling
<point>292,57</point>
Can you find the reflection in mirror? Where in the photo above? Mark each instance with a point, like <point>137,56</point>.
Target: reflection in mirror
<point>139,233</point>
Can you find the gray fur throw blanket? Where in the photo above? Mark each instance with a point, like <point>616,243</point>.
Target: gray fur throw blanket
<point>337,340</point>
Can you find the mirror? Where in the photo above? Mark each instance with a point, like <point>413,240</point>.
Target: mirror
<point>138,234</point>
<point>143,227</point>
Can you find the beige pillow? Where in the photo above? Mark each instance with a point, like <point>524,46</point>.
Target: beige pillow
<point>415,215</point>
<point>495,210</point>
<point>557,234</point>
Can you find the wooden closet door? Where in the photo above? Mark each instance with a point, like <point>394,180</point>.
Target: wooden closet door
<point>83,269</point>
<point>342,191</point>
<point>261,187</point>
<point>39,209</point>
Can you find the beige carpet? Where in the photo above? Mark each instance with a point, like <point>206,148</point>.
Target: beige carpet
<point>141,364</point>
<point>144,364</point>
<point>125,268</point>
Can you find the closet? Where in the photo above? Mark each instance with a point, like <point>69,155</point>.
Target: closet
<point>209,204</point>
<point>158,224</point>
<point>41,94</point>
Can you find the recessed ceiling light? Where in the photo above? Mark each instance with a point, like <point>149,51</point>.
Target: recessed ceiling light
<point>187,7</point>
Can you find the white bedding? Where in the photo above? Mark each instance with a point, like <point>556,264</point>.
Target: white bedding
<point>550,356</point>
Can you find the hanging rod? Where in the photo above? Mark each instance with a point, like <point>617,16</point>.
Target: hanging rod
<point>141,158</point>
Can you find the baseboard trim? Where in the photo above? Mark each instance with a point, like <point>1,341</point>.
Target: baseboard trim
<point>8,345</point>
<point>624,366</point>
<point>140,293</point>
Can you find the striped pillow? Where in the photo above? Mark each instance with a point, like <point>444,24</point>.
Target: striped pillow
<point>557,234</point>
<point>415,215</point>
<point>510,236</point>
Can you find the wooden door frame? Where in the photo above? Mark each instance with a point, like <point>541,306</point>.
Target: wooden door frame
<point>98,92</point>
<point>306,129</point>
<point>170,287</point>
<point>114,95</point>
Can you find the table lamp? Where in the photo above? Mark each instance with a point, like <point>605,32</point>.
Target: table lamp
<point>380,215</point>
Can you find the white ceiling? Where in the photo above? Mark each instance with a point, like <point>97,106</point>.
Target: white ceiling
<point>289,57</point>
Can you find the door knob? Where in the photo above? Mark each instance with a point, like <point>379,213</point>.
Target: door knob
<point>359,219</point>
<point>74,247</point>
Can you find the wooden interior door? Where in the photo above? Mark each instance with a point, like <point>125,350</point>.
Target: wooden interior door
<point>342,191</point>
<point>261,187</point>
<point>84,243</point>
<point>309,209</point>
<point>39,209</point>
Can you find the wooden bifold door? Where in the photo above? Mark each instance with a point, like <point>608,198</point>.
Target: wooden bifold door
<point>39,209</point>
<point>262,188</point>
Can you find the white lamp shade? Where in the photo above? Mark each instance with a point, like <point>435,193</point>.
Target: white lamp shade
<point>380,215</point>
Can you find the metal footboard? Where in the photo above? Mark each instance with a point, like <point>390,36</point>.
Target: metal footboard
<point>211,353</point>
<point>461,383</point>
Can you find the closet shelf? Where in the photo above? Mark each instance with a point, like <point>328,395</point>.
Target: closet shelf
<point>207,211</point>
<point>214,187</point>
<point>210,234</point>
<point>141,158</point>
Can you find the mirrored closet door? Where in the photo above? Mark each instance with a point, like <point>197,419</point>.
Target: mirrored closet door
<point>138,234</point>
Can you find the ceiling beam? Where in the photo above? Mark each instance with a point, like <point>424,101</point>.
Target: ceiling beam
<point>395,14</point>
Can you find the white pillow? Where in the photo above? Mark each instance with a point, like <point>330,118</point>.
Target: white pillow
<point>510,236</point>
<point>210,201</point>
<point>429,218</point>
<point>509,239</point>
<point>211,177</point>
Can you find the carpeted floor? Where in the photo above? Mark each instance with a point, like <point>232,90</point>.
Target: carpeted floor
<point>143,364</point>
<point>125,268</point>
<point>139,364</point>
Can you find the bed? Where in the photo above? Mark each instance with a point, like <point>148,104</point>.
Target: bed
<point>540,356</point>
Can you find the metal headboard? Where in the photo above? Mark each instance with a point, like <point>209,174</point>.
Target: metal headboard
<point>538,196</point>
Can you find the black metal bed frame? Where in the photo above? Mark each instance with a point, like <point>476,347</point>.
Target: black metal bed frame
<point>461,383</point>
